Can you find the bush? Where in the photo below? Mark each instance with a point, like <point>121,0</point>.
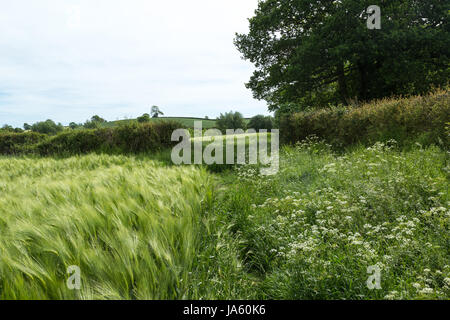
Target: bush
<point>402,119</point>
<point>128,138</point>
<point>74,125</point>
<point>47,127</point>
<point>261,122</point>
<point>19,143</point>
<point>230,120</point>
<point>144,118</point>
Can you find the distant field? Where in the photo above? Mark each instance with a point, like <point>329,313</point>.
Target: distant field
<point>188,122</point>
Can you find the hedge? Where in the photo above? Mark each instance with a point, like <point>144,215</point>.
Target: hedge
<point>129,138</point>
<point>19,143</point>
<point>422,118</point>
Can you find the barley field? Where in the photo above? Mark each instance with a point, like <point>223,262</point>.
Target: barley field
<point>132,226</point>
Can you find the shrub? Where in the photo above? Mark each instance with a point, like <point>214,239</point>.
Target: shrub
<point>47,127</point>
<point>94,123</point>
<point>18,143</point>
<point>261,122</point>
<point>129,138</point>
<point>74,125</point>
<point>402,119</point>
<point>144,118</point>
<point>230,120</point>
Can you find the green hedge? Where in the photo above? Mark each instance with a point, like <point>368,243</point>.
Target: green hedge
<point>19,143</point>
<point>420,118</point>
<point>130,138</point>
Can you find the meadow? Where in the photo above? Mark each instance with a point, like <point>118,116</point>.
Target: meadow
<point>111,202</point>
<point>139,228</point>
<point>313,230</point>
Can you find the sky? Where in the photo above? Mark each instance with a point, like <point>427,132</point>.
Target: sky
<point>67,60</point>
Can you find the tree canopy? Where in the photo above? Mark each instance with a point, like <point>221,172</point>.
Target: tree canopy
<point>259,122</point>
<point>156,112</point>
<point>47,127</point>
<point>230,120</point>
<point>313,53</point>
<point>95,122</point>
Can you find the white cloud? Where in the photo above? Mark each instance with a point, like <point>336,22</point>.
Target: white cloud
<point>70,59</point>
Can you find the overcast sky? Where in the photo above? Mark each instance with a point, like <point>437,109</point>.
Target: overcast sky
<point>70,59</point>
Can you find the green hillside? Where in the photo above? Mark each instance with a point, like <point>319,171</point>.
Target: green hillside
<point>188,122</point>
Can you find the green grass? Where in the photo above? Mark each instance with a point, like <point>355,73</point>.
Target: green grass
<point>130,225</point>
<point>140,228</point>
<point>312,230</point>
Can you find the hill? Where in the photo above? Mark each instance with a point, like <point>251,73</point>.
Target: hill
<point>188,122</point>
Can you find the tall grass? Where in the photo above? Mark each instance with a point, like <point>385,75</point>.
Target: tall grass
<point>142,229</point>
<point>133,227</point>
<point>312,230</point>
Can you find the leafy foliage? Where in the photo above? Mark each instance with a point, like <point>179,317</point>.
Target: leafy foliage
<point>144,118</point>
<point>403,119</point>
<point>19,143</point>
<point>259,122</point>
<point>128,138</point>
<point>156,112</point>
<point>230,120</point>
<point>94,123</point>
<point>313,53</point>
<point>47,127</point>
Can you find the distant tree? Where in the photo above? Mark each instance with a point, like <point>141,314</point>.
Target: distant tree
<point>91,125</point>
<point>98,119</point>
<point>144,118</point>
<point>94,123</point>
<point>74,125</point>
<point>18,130</point>
<point>156,112</point>
<point>206,118</point>
<point>7,128</point>
<point>26,126</point>
<point>261,122</point>
<point>47,127</point>
<point>230,120</point>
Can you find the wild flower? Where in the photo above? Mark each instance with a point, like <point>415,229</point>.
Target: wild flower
<point>426,291</point>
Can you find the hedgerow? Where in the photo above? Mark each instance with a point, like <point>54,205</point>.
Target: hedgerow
<point>420,119</point>
<point>129,138</point>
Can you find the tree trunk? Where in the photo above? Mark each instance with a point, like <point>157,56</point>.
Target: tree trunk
<point>363,82</point>
<point>342,82</point>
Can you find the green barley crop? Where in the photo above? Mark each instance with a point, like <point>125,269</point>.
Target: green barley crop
<point>131,226</point>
